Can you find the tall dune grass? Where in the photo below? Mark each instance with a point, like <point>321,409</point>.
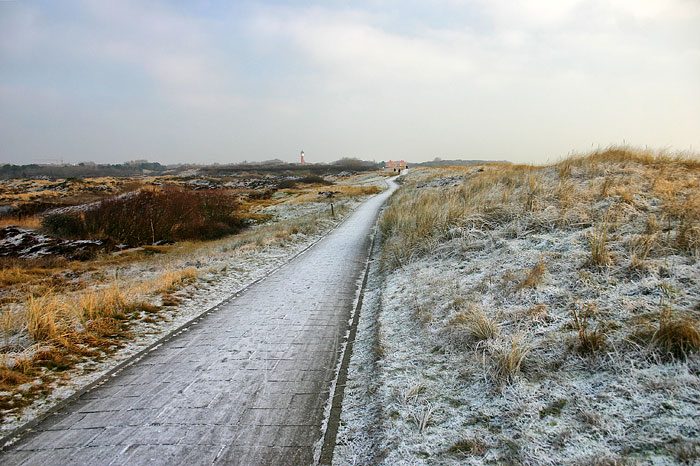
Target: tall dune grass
<point>541,197</point>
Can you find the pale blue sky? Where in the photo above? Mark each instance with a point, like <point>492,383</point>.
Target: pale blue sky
<point>204,82</point>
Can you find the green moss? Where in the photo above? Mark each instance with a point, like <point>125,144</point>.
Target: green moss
<point>553,409</point>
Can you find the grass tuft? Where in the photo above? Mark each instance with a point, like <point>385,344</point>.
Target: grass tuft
<point>470,446</point>
<point>533,276</point>
<point>676,336</point>
<point>509,358</point>
<point>11,378</point>
<point>477,325</point>
<point>31,222</point>
<point>597,243</point>
<point>174,280</point>
<point>53,358</point>
<point>43,317</point>
<point>589,340</point>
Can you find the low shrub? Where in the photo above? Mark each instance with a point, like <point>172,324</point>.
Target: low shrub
<point>286,184</point>
<point>314,179</point>
<point>146,217</point>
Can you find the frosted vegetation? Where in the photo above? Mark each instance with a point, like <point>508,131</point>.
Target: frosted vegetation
<point>533,315</point>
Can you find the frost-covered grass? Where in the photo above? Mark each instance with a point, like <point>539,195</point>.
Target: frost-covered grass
<point>549,315</point>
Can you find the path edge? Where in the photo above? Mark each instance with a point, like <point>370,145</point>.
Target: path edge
<point>332,422</point>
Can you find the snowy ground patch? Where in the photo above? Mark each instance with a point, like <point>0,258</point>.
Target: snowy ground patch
<point>499,340</point>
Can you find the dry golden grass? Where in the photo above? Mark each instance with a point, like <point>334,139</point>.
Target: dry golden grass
<point>631,208</point>
<point>14,274</point>
<point>31,222</point>
<point>45,319</point>
<point>54,316</point>
<point>419,219</point>
<point>533,277</point>
<point>170,300</point>
<point>627,155</point>
<point>589,341</point>
<point>598,245</point>
<point>676,336</point>
<point>11,378</point>
<point>354,191</point>
<point>311,194</point>
<point>509,358</point>
<point>643,244</point>
<point>476,324</point>
<point>688,233</point>
<point>538,313</point>
<point>614,231</point>
<point>71,326</point>
<point>52,358</point>
<point>173,280</point>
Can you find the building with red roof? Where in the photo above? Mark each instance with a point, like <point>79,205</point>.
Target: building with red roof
<point>396,165</point>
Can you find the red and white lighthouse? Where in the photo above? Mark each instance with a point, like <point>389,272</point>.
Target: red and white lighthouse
<point>302,158</point>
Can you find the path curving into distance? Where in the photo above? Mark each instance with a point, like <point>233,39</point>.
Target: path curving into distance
<point>247,384</point>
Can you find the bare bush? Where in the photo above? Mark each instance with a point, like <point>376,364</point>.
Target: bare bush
<point>149,216</point>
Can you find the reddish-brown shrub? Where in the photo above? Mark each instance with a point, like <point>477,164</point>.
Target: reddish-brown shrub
<point>146,217</point>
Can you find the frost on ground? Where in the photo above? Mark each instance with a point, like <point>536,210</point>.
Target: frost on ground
<point>28,244</point>
<point>179,285</point>
<point>533,316</point>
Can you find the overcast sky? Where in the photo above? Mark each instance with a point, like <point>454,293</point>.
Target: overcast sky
<point>186,81</point>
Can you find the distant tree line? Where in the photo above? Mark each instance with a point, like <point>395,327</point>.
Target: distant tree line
<point>139,167</point>
<point>81,170</point>
<point>344,164</point>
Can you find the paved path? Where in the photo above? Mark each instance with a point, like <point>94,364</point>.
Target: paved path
<point>245,385</point>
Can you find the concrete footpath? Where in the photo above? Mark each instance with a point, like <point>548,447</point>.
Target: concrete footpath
<point>247,384</point>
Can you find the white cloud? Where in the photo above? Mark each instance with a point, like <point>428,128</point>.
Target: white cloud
<point>539,37</point>
<point>175,51</point>
<point>359,53</point>
<point>497,79</point>
<point>655,10</point>
<point>547,76</point>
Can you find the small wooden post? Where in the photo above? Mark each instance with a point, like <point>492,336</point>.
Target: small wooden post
<point>331,195</point>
